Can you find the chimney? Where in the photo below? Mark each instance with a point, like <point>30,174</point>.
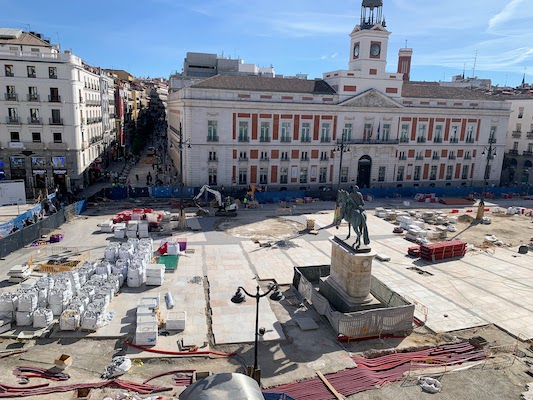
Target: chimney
<point>404,63</point>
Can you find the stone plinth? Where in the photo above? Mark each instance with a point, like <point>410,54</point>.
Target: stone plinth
<point>348,285</point>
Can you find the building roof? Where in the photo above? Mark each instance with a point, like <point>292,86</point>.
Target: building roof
<point>264,84</point>
<point>433,90</point>
<point>25,38</point>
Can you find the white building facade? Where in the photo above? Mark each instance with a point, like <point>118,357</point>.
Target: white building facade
<point>284,133</point>
<point>52,127</point>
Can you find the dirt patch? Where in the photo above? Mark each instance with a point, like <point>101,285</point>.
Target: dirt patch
<point>268,229</point>
<point>467,219</point>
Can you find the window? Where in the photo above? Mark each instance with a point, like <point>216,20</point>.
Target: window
<point>243,131</point>
<point>347,132</point>
<point>264,155</point>
<point>212,156</point>
<point>243,155</point>
<point>402,155</point>
<point>399,175</point>
<point>404,135</point>
<point>323,174</point>
<point>518,128</point>
<point>265,132</point>
<point>433,173</point>
<point>212,176</point>
<point>464,174</point>
<point>52,72</point>
<point>419,155</point>
<point>18,162</point>
<point>34,50</point>
<point>418,170</point>
<point>515,146</point>
<point>243,176</point>
<point>34,116</point>
<point>56,117</point>
<point>283,175</point>
<point>36,137</point>
<point>285,131</point>
<point>57,137</point>
<point>449,172</point>
<point>438,134</point>
<point>31,71</point>
<point>451,155</point>
<point>32,93</point>
<point>367,133</point>
<point>306,132</point>
<point>467,155</point>
<point>324,137</point>
<point>470,134</point>
<point>386,132</point>
<point>15,136</point>
<point>530,148</point>
<point>303,175</point>
<point>54,95</point>
<point>13,117</point>
<point>344,174</point>
<point>263,176</point>
<point>492,134</point>
<point>421,138</point>
<point>324,155</point>
<point>304,156</point>
<point>453,134</point>
<point>521,112</point>
<point>381,174</point>
<point>8,70</point>
<point>212,131</point>
<point>284,155</point>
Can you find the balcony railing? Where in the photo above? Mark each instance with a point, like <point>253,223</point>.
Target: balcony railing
<point>370,141</point>
<point>436,157</point>
<point>419,158</point>
<point>492,140</point>
<point>212,138</point>
<point>10,74</point>
<point>325,139</point>
<point>264,138</point>
<point>35,121</point>
<point>306,139</point>
<point>56,121</point>
<point>402,157</point>
<point>243,158</point>
<point>212,159</point>
<point>304,158</point>
<point>404,140</point>
<point>326,158</point>
<point>527,153</point>
<point>285,159</point>
<point>13,120</point>
<point>285,139</point>
<point>468,157</point>
<point>513,152</point>
<point>244,138</point>
<point>264,159</point>
<point>454,140</point>
<point>470,140</point>
<point>437,140</point>
<point>11,97</point>
<point>54,99</point>
<point>529,135</point>
<point>451,157</point>
<point>421,139</point>
<point>52,76</point>
<point>32,76</point>
<point>33,97</point>
<point>517,134</point>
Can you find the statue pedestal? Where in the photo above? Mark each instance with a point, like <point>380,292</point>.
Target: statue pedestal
<point>348,285</point>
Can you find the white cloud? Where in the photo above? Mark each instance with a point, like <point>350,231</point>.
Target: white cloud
<point>506,14</point>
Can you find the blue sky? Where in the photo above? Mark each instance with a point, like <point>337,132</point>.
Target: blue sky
<point>151,37</point>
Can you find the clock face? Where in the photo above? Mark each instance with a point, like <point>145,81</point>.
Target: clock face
<point>356,51</point>
<point>375,49</point>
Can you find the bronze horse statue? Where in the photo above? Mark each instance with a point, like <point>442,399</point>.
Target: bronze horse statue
<point>354,214</point>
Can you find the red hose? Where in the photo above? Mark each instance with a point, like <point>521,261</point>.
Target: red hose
<point>176,371</point>
<point>179,353</point>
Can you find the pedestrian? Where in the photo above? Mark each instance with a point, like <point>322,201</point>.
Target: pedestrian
<point>153,166</point>
<point>245,201</point>
<point>137,177</point>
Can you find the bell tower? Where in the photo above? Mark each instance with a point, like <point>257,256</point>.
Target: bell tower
<point>369,40</point>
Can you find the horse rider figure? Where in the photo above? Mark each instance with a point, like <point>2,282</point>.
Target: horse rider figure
<point>353,211</point>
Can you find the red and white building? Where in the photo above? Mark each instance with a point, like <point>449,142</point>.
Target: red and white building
<point>283,132</point>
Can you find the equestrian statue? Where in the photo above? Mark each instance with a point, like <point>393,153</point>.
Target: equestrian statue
<point>350,207</point>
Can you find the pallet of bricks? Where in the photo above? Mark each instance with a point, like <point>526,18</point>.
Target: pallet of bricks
<point>442,250</point>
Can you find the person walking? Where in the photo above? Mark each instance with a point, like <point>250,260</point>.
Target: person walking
<point>245,201</point>
<point>137,177</point>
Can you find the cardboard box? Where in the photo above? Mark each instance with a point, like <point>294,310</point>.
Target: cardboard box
<point>63,361</point>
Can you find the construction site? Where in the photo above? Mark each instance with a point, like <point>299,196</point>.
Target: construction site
<point>440,295</point>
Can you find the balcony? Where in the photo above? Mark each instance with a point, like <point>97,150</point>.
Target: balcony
<point>454,140</point>
<point>421,139</point>
<point>451,157</point>
<point>264,159</point>
<point>467,157</point>
<point>513,152</point>
<point>492,140</point>
<point>404,140</point>
<point>13,120</point>
<point>264,138</point>
<point>370,141</point>
<point>285,159</point>
<point>529,135</point>
<point>517,134</point>
<point>243,158</point>
<point>53,76</point>
<point>56,121</point>
<point>304,158</point>
<point>212,138</point>
<point>402,157</point>
<point>437,140</point>
<point>306,139</point>
<point>285,139</point>
<point>419,158</point>
<point>470,140</point>
<point>33,97</point>
<point>54,99</point>
<point>244,138</point>
<point>11,97</point>
<point>10,74</point>
<point>325,140</point>
<point>527,153</point>
<point>32,76</point>
<point>35,121</point>
<point>435,158</point>
<point>212,159</point>
<point>326,158</point>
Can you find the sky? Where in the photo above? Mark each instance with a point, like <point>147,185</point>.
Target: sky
<point>491,39</point>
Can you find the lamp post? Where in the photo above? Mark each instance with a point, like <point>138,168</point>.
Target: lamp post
<point>490,153</point>
<point>239,298</point>
<point>182,222</point>
<point>342,147</point>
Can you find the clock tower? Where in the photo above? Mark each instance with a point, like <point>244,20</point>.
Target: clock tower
<point>369,40</point>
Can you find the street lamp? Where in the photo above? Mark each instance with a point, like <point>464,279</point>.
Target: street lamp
<point>182,222</point>
<point>490,153</point>
<point>239,298</point>
<point>342,147</point>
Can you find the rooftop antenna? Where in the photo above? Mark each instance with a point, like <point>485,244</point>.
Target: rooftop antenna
<point>405,43</point>
<point>524,77</point>
<point>474,69</point>
<point>464,69</point>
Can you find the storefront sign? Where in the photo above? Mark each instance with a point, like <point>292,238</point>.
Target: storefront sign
<point>39,171</point>
<point>60,172</point>
<point>16,145</point>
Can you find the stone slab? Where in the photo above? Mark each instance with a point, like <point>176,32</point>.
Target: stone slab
<point>306,323</point>
<point>342,301</point>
